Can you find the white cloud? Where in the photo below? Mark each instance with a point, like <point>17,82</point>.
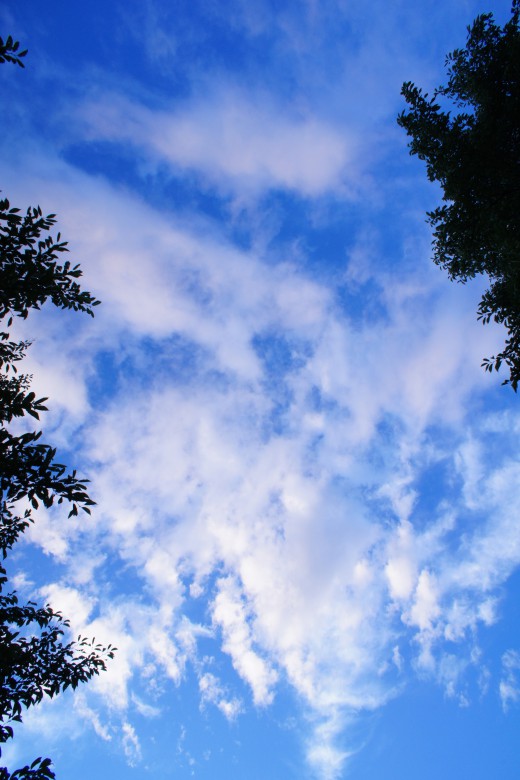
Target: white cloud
<point>401,576</point>
<point>323,754</point>
<point>131,744</point>
<point>425,607</point>
<point>82,708</point>
<point>306,540</point>
<point>77,606</point>
<point>230,615</point>
<point>334,530</point>
<point>509,687</point>
<point>232,141</point>
<point>213,692</point>
<point>144,709</point>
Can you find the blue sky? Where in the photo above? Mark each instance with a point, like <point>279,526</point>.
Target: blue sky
<point>306,543</point>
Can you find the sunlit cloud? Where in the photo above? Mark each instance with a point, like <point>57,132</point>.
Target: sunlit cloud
<point>299,535</point>
<point>296,491</point>
<point>232,141</point>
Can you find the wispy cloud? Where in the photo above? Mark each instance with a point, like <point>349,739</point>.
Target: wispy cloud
<point>212,692</point>
<point>232,141</point>
<point>319,486</point>
<point>311,516</point>
<point>509,687</point>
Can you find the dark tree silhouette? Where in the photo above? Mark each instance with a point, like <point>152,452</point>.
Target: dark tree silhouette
<point>36,659</point>
<point>468,133</point>
<point>10,51</point>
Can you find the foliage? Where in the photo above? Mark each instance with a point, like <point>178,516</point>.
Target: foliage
<point>474,154</point>
<point>10,51</point>
<point>30,270</point>
<point>35,661</point>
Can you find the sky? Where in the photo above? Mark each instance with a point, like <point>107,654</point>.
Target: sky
<point>306,542</point>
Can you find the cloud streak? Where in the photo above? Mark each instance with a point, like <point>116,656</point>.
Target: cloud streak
<point>302,489</point>
<point>232,142</point>
<point>299,527</point>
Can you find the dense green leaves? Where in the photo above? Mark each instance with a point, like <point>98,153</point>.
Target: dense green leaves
<point>474,153</point>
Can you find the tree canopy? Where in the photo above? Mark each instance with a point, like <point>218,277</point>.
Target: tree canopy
<point>468,133</point>
<point>35,658</point>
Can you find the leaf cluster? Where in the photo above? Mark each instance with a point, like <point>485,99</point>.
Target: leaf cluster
<point>473,151</point>
<point>40,769</point>
<point>30,274</point>
<point>30,270</point>
<point>10,51</point>
<point>36,660</point>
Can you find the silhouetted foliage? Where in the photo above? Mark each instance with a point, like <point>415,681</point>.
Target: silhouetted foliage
<point>474,153</point>
<point>35,659</point>
<point>10,51</point>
